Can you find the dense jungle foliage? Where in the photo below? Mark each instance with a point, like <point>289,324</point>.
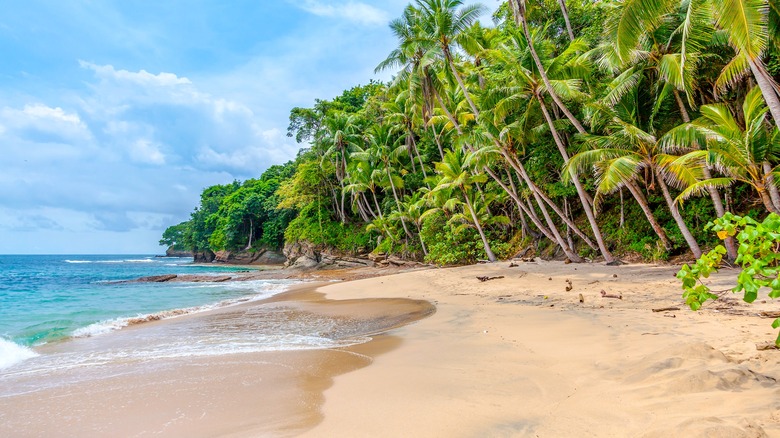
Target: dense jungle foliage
<point>588,129</point>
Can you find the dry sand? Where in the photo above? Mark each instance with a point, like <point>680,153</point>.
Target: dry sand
<point>521,356</point>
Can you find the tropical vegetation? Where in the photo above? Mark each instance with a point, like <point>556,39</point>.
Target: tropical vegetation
<point>582,129</point>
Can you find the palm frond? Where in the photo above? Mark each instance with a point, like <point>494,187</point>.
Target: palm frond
<point>732,73</point>
<point>682,171</point>
<point>701,188</point>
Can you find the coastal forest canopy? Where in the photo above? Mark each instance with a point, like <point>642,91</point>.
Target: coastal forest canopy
<point>584,128</point>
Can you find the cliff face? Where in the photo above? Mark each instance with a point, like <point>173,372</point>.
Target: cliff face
<point>259,257</point>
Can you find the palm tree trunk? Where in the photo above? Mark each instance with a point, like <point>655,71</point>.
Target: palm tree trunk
<point>251,231</point>
<point>767,200</point>
<point>343,210</point>
<point>730,243</point>
<point>640,199</point>
<point>419,158</point>
<point>768,89</point>
<point>566,220</point>
<point>488,251</point>
<point>550,224</point>
<point>422,242</point>
<point>378,208</point>
<point>681,105</point>
<point>521,206</point>
<point>438,142</point>
<point>565,11</point>
<point>448,113</point>
<point>455,73</point>
<point>678,217</point>
<point>770,184</point>
<point>367,205</point>
<point>518,7</point>
<point>577,184</point>
<point>397,201</point>
<point>362,210</point>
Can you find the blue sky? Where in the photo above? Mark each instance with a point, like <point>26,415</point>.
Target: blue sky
<point>114,115</point>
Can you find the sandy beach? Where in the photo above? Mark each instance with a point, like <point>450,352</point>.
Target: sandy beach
<point>513,356</point>
<point>521,356</point>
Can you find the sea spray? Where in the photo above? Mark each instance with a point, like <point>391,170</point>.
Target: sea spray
<point>11,353</point>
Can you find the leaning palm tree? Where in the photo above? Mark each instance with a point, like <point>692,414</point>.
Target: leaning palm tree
<point>739,150</point>
<point>442,24</point>
<point>620,157</point>
<point>519,11</point>
<point>527,89</point>
<point>456,175</point>
<point>745,23</point>
<point>383,145</point>
<point>412,209</point>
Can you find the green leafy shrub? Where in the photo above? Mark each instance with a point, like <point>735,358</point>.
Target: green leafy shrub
<point>758,255</point>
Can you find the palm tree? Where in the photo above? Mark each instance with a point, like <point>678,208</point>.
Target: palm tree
<point>455,174</point>
<point>400,111</point>
<point>412,209</point>
<point>618,159</point>
<point>341,138</point>
<point>383,143</point>
<point>524,84</point>
<point>519,12</point>
<point>738,149</point>
<point>442,24</point>
<point>745,23</point>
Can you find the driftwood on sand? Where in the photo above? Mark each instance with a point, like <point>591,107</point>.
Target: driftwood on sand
<point>487,278</point>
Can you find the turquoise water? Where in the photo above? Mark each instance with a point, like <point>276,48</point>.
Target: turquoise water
<point>45,298</point>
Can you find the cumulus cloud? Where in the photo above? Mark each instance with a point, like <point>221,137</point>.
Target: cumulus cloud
<point>142,77</point>
<point>352,11</point>
<point>45,123</point>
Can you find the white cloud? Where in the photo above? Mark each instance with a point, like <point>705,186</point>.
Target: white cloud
<point>142,77</point>
<point>43,123</point>
<point>144,151</point>
<point>353,11</point>
<point>44,112</point>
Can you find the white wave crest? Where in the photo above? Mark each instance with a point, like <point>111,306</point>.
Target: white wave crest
<point>11,353</point>
<point>100,328</point>
<point>78,261</point>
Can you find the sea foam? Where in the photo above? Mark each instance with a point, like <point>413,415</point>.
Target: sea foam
<point>11,353</point>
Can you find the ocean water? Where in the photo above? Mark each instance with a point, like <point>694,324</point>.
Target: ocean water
<point>48,299</point>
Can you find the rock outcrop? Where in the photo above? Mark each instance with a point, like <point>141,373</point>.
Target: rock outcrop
<point>304,255</point>
<point>172,252</point>
<point>261,256</point>
<point>203,257</point>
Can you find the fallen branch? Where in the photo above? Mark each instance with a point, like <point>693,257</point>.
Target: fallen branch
<point>769,314</point>
<point>606,295</point>
<point>486,278</point>
<point>666,309</point>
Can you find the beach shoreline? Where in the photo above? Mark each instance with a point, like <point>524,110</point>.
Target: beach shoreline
<point>267,393</point>
<point>516,355</point>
